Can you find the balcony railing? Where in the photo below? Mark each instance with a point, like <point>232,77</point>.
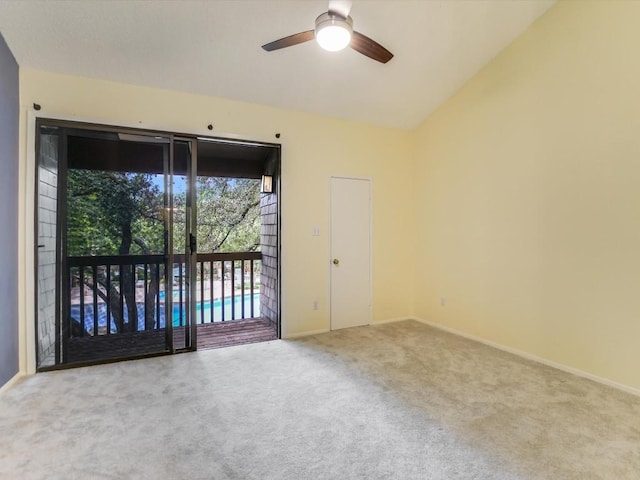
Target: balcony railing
<point>107,295</point>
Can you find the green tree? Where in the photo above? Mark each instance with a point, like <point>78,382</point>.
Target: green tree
<point>111,212</point>
<point>228,212</point>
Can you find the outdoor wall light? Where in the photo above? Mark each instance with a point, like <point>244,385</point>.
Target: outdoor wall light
<point>333,33</point>
<point>266,185</point>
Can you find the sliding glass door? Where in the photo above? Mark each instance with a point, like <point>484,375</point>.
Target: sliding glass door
<point>115,248</point>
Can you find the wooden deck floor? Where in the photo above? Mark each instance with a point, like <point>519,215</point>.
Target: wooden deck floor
<point>126,345</point>
<point>236,332</point>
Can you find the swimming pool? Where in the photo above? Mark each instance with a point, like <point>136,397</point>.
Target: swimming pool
<point>203,309</point>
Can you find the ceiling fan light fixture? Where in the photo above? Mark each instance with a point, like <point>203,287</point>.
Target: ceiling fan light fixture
<point>333,33</point>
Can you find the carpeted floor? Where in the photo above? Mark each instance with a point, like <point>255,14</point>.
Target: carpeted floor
<point>395,401</point>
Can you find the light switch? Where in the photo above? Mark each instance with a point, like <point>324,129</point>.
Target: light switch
<point>316,231</point>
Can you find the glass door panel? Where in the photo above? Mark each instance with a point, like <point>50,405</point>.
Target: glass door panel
<point>114,264</point>
<point>114,241</point>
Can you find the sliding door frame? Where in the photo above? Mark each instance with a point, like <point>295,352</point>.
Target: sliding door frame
<point>190,242</point>
<point>61,303</point>
<point>34,117</point>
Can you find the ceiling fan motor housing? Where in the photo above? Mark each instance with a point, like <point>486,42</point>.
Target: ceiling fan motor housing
<point>333,32</point>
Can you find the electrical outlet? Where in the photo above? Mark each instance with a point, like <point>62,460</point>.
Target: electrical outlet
<point>442,301</point>
<point>315,305</point>
<point>316,231</point>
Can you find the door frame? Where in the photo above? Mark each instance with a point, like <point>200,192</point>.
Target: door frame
<point>28,235</point>
<point>191,333</point>
<point>61,222</point>
<point>329,247</point>
<point>191,218</point>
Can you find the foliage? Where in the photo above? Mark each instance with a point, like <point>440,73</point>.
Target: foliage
<point>112,213</point>
<point>107,211</point>
<point>228,215</point>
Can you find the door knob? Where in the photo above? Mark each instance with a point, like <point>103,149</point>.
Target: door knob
<point>336,261</point>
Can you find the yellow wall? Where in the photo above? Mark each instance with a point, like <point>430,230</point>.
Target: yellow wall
<point>314,148</point>
<point>528,196</point>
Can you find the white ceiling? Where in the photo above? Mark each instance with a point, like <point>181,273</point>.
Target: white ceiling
<point>213,48</point>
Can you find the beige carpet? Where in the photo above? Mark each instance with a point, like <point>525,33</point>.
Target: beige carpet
<point>395,401</point>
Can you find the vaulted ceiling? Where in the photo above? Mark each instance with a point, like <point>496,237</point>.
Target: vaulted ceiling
<point>213,48</point>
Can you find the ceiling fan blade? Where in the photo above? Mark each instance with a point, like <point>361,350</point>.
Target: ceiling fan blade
<point>289,41</point>
<point>364,45</point>
<point>342,8</point>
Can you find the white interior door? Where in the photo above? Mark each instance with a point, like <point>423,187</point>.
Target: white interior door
<point>350,252</point>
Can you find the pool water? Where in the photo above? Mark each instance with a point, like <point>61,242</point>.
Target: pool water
<point>203,312</point>
<point>203,309</point>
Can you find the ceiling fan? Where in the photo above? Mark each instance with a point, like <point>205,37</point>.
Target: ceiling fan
<point>334,31</point>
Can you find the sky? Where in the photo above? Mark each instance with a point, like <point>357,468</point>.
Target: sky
<point>179,183</point>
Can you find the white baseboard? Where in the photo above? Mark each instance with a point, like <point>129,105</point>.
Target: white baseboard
<point>291,336</point>
<point>316,332</point>
<point>535,358</point>
<point>11,382</point>
<point>392,320</point>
